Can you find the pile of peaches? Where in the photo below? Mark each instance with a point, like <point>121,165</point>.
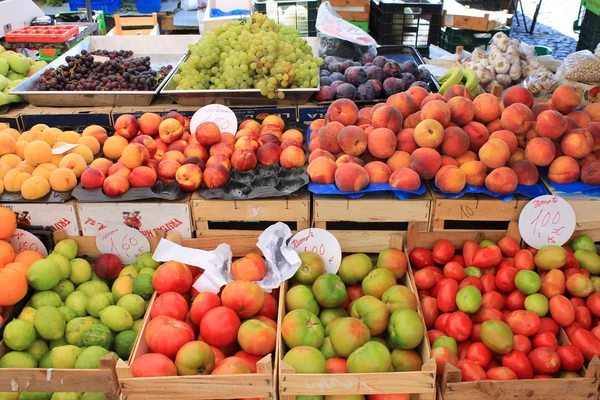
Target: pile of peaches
<point>154,148</point>
<point>457,141</point>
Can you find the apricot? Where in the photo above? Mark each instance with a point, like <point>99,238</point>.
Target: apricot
<point>404,103</point>
<point>328,137</point>
<point>352,140</point>
<point>475,172</point>
<point>478,134</point>
<point>91,143</point>
<point>566,99</point>
<point>406,140</point>
<point>564,169</point>
<point>381,142</point>
<point>507,137</point>
<point>38,152</point>
<point>494,153</point>
<point>13,180</point>
<point>322,170</point>
<point>11,159</point>
<point>114,146</point>
<point>351,177</point>
<point>68,137</point>
<point>425,162</point>
<point>550,124</point>
<point>405,179</point>
<point>437,110</point>
<point>84,152</point>
<point>20,150</point>
<point>518,94</point>
<point>400,159</point>
<point>456,141</point>
<point>8,144</point>
<point>517,118</point>
<point>378,172</point>
<point>486,108</point>
<point>135,155</point>
<point>4,168</point>
<point>12,132</point>
<point>74,162</point>
<point>540,151</point>
<point>593,111</point>
<point>577,144</point>
<point>45,136</point>
<point>461,109</point>
<point>44,170</point>
<point>35,188</point>
<point>450,179</point>
<point>102,164</point>
<point>502,180</point>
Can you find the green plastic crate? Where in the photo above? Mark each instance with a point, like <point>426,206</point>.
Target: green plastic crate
<point>362,25</point>
<point>542,51</point>
<point>470,40</point>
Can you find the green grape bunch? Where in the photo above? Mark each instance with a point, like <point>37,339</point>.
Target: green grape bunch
<point>252,53</point>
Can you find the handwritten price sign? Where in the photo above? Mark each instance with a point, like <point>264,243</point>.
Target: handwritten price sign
<point>547,220</point>
<point>22,240</point>
<point>321,242</point>
<point>217,113</point>
<point>122,241</point>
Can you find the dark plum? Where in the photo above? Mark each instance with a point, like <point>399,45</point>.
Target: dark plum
<point>337,76</point>
<point>329,59</point>
<point>345,65</point>
<point>392,69</point>
<point>392,86</point>
<point>326,93</point>
<point>346,91</point>
<point>422,84</point>
<point>408,78</point>
<point>326,81</point>
<point>335,84</point>
<point>356,75</point>
<point>335,66</point>
<point>378,86</point>
<point>357,64</point>
<point>410,66</point>
<point>375,72</point>
<point>425,75</point>
<point>324,72</point>
<point>367,65</point>
<point>365,92</point>
<point>367,58</point>
<point>380,61</point>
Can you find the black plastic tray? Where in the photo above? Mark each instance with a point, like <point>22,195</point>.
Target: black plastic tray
<point>52,197</point>
<point>160,191</point>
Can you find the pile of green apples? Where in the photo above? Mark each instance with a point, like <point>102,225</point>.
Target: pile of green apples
<point>14,68</point>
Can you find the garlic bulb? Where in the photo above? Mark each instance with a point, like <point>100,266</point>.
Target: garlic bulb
<point>504,79</point>
<point>501,65</point>
<point>515,72</point>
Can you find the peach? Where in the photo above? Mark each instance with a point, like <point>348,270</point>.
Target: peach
<point>365,112</point>
<point>269,154</point>
<point>540,151</point>
<point>243,160</point>
<point>412,120</point>
<point>91,143</point>
<point>494,153</point>
<point>35,188</point>
<point>518,94</point>
<point>167,169</point>
<point>328,137</point>
<point>176,115</point>
<point>527,173</point>
<point>314,145</point>
<point>221,148</point>
<point>319,153</point>
<point>114,146</point>
<point>74,162</point>
<point>450,179</point>
<point>405,179</point>
<point>381,142</point>
<point>62,180</point>
<point>149,123</point>
<point>215,176</point>
<point>250,124</point>
<point>550,124</point>
<point>425,162</point>
<point>507,137</point>
<point>343,111</point>
<point>502,180</point>
<point>317,123</point>
<point>446,160</point>
<point>208,133</point>
<point>11,159</point>
<point>219,159</point>
<point>387,117</point>
<point>577,144</point>
<point>97,132</point>
<point>119,169</point>
<point>126,126</point>
<point>486,108</point>
<point>189,177</point>
<point>102,164</point>
<point>475,172</point>
<point>161,149</point>
<point>264,139</point>
<point>271,130</point>
<point>429,133</point>
<point>351,177</point>
<point>519,154</point>
<point>13,180</point>
<point>418,94</point>
<point>247,143</point>
<point>38,152</point>
<point>517,118</point>
<point>352,140</point>
<point>68,137</point>
<point>566,99</point>
<point>458,91</point>
<point>84,152</point>
<point>347,158</point>
<point>178,145</point>
<point>92,178</point>
<point>586,160</point>
<point>590,173</point>
<point>322,170</point>
<point>274,120</point>
<point>432,97</point>
<point>406,140</point>
<point>437,110</point>
<point>494,126</point>
<point>293,134</point>
<point>462,110</point>
<point>44,170</point>
<point>292,157</point>
<point>171,130</point>
<point>580,117</point>
<point>404,103</point>
<point>24,166</point>
<point>571,124</point>
<point>400,159</point>
<point>538,108</point>
<point>478,134</point>
<point>142,177</point>
<point>115,185</point>
<point>12,132</point>
<point>593,128</point>
<point>456,141</point>
<point>149,143</point>
<point>564,169</point>
<point>378,172</point>
<point>593,111</point>
<point>4,168</point>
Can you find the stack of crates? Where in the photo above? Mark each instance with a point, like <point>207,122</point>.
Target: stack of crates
<point>469,40</point>
<point>300,14</point>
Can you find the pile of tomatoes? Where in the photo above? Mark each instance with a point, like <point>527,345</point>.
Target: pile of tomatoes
<point>496,310</point>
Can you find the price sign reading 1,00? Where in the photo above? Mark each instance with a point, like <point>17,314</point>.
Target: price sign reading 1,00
<point>547,220</point>
<point>542,219</point>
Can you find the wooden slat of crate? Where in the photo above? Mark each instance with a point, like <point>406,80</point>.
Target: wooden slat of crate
<point>352,10</point>
<point>470,22</point>
<point>86,245</point>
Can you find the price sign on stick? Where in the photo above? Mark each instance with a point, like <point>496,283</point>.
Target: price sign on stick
<point>22,240</point>
<point>122,241</point>
<point>321,242</point>
<point>547,220</point>
<point>217,113</point>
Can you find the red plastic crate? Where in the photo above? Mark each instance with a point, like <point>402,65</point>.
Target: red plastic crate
<point>42,34</point>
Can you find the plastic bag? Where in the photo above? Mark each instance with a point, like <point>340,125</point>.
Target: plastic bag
<point>340,38</point>
<point>189,5</point>
<point>581,66</point>
<point>541,84</point>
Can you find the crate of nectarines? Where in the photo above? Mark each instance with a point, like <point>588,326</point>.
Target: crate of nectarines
<point>495,315</point>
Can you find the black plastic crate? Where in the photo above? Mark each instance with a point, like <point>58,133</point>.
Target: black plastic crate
<point>470,40</point>
<point>490,5</point>
<point>301,14</point>
<point>414,24</point>
<point>589,35</point>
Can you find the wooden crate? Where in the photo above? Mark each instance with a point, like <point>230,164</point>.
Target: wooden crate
<point>472,19</point>
<point>420,384</point>
<point>352,10</point>
<point>367,222</point>
<point>244,219</point>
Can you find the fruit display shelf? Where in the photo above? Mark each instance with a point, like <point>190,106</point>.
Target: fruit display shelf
<point>421,382</point>
<point>163,51</point>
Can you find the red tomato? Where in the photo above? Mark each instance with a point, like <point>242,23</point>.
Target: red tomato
<point>577,302</point>
<point>166,335</point>
<point>516,300</point>
<point>219,355</point>
<point>469,250</point>
<point>472,281</point>
<point>446,297</point>
<point>479,353</point>
<point>501,374</point>
<point>584,272</point>
<point>459,326</point>
<point>171,304</point>
<point>523,322</point>
<point>545,339</point>
<point>219,326</point>
<point>571,359</point>
<point>507,262</point>
<point>172,276</point>
<point>354,292</point>
<point>443,251</point>
<point>505,279</point>
<point>476,333</point>
<point>586,342</point>
<point>203,303</point>
<point>430,311</point>
<point>251,358</point>
<point>459,259</point>
<point>153,364</point>
<point>570,271</point>
<point>522,343</point>
<point>434,334</point>
<point>584,317</point>
<point>509,246</point>
<point>443,356</point>
<point>485,314</point>
<point>518,362</point>
<point>463,347</point>
<point>454,270</point>
<point>542,376</point>
<point>488,281</point>
<point>596,331</point>
<point>269,308</point>
<point>492,300</point>
<point>337,366</point>
<point>524,260</point>
<point>561,310</point>
<point>471,371</point>
<point>532,250</point>
<point>424,279</point>
<point>420,258</point>
<point>568,248</point>
<point>544,360</point>
<point>438,285</point>
<point>547,324</point>
<point>421,293</point>
<point>387,396</point>
<point>493,364</point>
<point>436,270</point>
<point>244,297</point>
<point>440,322</point>
<point>593,303</point>
<point>572,328</point>
<point>571,261</point>
<point>487,257</point>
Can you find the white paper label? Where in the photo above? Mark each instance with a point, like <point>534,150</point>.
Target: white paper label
<point>547,220</point>
<point>321,242</point>
<point>64,148</point>
<point>122,241</point>
<point>22,240</point>
<point>217,113</point>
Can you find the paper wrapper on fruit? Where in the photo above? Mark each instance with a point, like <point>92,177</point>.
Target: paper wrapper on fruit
<point>281,261</point>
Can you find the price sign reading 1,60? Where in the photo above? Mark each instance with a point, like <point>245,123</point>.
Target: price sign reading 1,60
<point>128,248</point>
<point>547,220</point>
<point>122,241</point>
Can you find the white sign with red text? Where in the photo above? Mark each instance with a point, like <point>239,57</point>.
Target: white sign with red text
<point>321,242</point>
<point>125,242</point>
<point>217,113</point>
<point>22,240</point>
<point>547,220</point>
<point>56,215</point>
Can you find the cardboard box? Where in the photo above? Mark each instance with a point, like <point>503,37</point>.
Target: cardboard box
<point>65,116</point>
<point>13,116</point>
<point>145,216</point>
<point>56,215</point>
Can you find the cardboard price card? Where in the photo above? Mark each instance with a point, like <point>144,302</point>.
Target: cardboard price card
<point>122,241</point>
<point>321,242</point>
<point>547,220</point>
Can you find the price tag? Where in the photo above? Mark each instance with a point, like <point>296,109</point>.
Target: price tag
<point>64,148</point>
<point>217,113</point>
<point>321,242</point>
<point>547,220</point>
<point>22,240</point>
<point>122,241</point>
